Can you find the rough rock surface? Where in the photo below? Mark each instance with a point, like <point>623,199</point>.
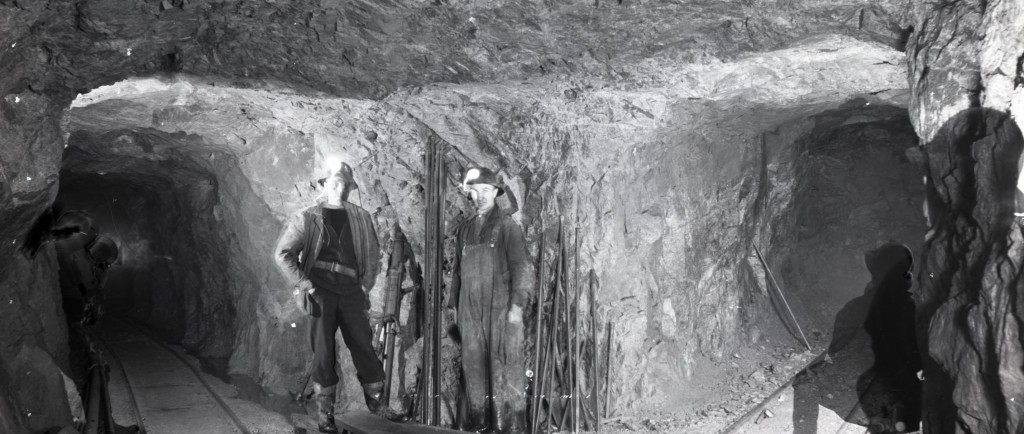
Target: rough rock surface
<point>643,118</point>
<point>240,160</point>
<point>967,81</point>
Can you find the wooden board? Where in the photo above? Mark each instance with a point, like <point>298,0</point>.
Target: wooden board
<point>364,422</point>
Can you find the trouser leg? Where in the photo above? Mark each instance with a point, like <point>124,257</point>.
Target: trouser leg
<point>508,375</point>
<point>355,329</point>
<point>475,373</point>
<point>324,349</point>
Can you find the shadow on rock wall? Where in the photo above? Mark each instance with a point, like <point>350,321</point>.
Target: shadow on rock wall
<point>968,308</point>
<point>885,396</point>
<point>968,312</point>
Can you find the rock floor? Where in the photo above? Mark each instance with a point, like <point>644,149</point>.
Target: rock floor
<point>766,389</point>
<point>752,393</point>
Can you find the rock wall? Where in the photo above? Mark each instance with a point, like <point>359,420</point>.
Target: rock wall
<point>966,78</point>
<point>670,186</point>
<point>631,74</point>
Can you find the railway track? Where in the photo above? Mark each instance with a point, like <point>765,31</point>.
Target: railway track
<point>158,388</point>
<point>164,392</point>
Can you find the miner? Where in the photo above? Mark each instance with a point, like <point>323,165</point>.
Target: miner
<point>489,286</point>
<point>329,252</point>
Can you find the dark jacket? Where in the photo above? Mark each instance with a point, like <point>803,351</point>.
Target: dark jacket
<point>302,238</point>
<point>512,263</point>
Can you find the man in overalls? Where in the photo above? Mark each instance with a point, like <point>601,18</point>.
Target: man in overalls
<point>330,251</point>
<point>490,284</point>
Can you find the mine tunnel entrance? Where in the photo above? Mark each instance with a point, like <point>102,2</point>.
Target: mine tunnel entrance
<point>858,184</point>
<point>170,275</point>
<point>171,306</point>
<point>858,195</point>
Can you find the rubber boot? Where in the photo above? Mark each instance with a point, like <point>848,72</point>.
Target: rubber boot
<point>373,393</point>
<point>324,398</point>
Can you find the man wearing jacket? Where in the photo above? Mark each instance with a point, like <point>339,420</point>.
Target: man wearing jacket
<point>330,251</point>
<point>489,287</point>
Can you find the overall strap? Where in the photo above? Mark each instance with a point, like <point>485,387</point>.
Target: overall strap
<point>494,234</point>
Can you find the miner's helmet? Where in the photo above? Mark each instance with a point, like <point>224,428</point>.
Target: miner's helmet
<point>103,251</point>
<point>344,174</point>
<point>482,175</point>
<point>74,229</point>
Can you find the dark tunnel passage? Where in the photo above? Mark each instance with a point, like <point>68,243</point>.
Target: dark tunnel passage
<point>858,188</point>
<point>173,248</point>
<point>858,185</point>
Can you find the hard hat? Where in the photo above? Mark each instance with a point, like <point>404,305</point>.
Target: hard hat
<point>103,251</point>
<point>344,173</point>
<point>74,229</point>
<point>482,175</point>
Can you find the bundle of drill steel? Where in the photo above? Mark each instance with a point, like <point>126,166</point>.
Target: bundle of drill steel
<point>430,373</point>
<point>564,389</point>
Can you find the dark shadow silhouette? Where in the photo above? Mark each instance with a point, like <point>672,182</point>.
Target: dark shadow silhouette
<point>890,392</point>
<point>887,391</point>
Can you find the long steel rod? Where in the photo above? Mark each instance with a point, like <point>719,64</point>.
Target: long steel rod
<point>427,260</point>
<point>594,354</point>
<point>566,357</point>
<point>535,396</point>
<point>610,329</point>
<point>425,389</point>
<point>782,296</point>
<point>433,214</point>
<point>440,177</point>
<point>552,357</point>
<point>575,395</point>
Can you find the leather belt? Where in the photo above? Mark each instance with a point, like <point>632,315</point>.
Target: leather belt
<point>335,267</point>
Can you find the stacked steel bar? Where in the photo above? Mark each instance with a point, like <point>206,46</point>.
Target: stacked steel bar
<point>564,396</point>
<point>430,374</point>
<point>552,356</point>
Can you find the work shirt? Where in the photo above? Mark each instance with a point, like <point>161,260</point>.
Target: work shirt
<point>337,248</point>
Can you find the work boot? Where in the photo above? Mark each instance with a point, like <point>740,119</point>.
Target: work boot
<point>324,398</point>
<point>373,393</point>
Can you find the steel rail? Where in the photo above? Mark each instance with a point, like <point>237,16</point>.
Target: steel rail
<point>195,372</point>
<point>760,406</point>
